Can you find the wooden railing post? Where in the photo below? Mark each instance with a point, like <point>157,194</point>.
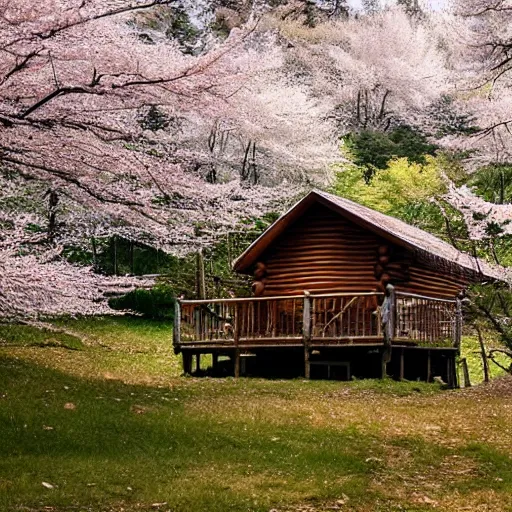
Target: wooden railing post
<point>176,331</point>
<point>306,332</point>
<point>457,333</point>
<point>236,339</point>
<point>392,312</point>
<point>388,326</point>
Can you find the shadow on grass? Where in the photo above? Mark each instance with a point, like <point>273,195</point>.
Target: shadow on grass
<point>114,446</point>
<point>28,335</point>
<point>104,442</point>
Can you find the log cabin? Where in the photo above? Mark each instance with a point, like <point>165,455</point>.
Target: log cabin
<point>339,291</point>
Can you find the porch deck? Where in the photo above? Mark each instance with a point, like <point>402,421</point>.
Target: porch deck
<point>240,325</point>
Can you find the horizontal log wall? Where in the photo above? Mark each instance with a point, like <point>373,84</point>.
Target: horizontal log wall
<point>321,252</point>
<point>425,281</point>
<point>324,253</point>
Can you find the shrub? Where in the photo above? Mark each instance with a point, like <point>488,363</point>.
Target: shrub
<point>156,303</point>
<point>372,150</point>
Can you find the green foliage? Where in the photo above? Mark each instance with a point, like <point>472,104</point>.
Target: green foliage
<point>156,303</point>
<point>502,248</point>
<point>491,306</point>
<point>493,183</point>
<point>153,119</point>
<point>470,350</point>
<point>175,23</point>
<point>372,150</point>
<point>78,255</point>
<point>262,223</point>
<point>411,192</point>
<point>34,228</point>
<point>118,256</point>
<point>401,184</point>
<point>449,121</point>
<point>451,165</point>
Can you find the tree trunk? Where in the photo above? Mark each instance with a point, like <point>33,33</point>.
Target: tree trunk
<point>485,362</point>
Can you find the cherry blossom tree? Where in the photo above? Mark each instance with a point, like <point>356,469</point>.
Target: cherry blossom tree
<point>378,70</point>
<point>481,44</point>
<point>77,85</point>
<point>478,38</point>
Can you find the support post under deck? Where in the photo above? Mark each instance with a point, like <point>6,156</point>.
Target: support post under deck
<point>236,340</point>
<point>402,363</point>
<point>458,323</point>
<point>187,362</point>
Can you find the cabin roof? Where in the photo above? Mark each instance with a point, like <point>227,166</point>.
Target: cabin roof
<point>428,248</point>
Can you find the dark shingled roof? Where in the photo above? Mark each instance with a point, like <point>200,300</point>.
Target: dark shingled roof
<point>427,247</point>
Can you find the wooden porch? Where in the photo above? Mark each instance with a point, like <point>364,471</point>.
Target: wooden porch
<point>316,322</point>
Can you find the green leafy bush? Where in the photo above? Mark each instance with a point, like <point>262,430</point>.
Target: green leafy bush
<point>409,191</point>
<point>156,303</point>
<point>372,150</point>
<point>494,183</point>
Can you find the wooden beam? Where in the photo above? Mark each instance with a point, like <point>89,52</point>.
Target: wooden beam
<point>485,362</point>
<point>187,362</point>
<point>388,326</point>
<point>402,364</point>
<point>465,372</point>
<point>306,333</point>
<point>236,339</point>
<point>458,324</point>
<point>277,297</point>
<point>176,334</point>
<point>455,382</point>
<point>200,276</point>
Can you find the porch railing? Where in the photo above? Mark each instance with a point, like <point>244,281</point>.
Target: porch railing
<point>345,316</point>
<point>315,319</point>
<point>428,320</point>
<point>266,320</point>
<point>229,320</point>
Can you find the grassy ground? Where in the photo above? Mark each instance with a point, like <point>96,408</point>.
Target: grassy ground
<point>99,419</point>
